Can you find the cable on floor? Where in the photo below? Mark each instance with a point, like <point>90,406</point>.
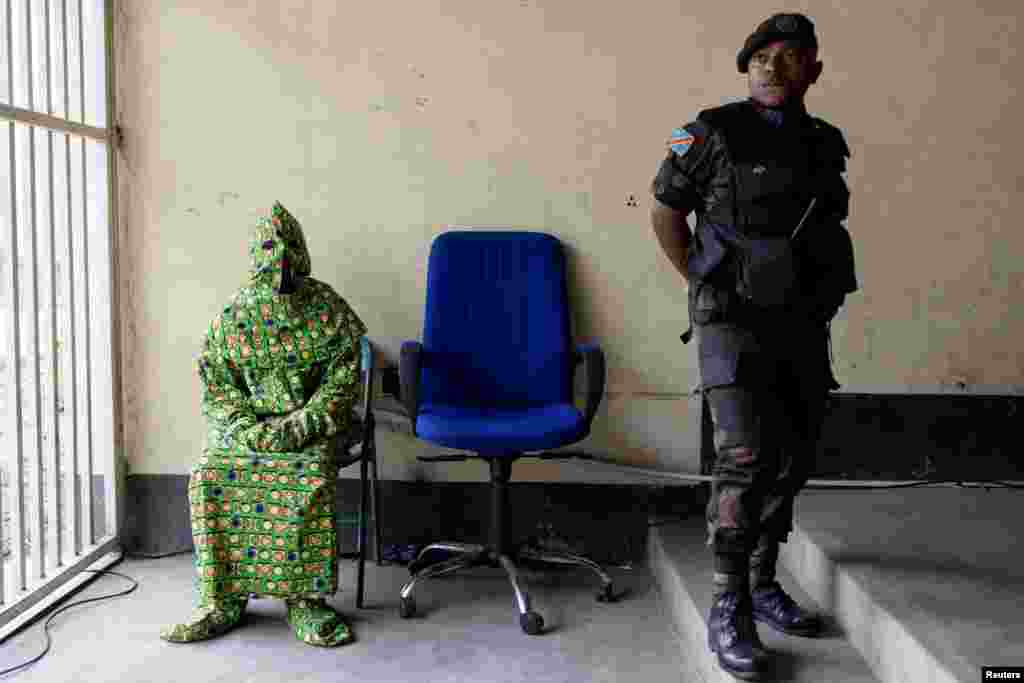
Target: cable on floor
<point>135,584</point>
<point>987,484</point>
<point>841,484</point>
<point>959,483</point>
<point>157,556</point>
<point>854,486</point>
<point>46,624</point>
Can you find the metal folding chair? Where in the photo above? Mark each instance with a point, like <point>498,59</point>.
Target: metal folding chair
<point>361,447</point>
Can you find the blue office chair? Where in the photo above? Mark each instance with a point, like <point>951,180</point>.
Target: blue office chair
<point>494,377</point>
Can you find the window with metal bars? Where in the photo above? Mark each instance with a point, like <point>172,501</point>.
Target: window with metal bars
<point>59,448</point>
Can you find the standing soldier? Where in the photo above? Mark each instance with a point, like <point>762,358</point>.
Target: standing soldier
<point>768,265</point>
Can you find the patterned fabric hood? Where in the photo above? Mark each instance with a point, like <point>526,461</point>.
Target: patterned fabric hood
<point>283,317</point>
<point>277,251</point>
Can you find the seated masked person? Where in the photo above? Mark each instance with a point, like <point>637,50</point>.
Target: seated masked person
<point>279,368</point>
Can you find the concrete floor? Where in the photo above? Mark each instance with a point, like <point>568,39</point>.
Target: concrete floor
<point>466,630</point>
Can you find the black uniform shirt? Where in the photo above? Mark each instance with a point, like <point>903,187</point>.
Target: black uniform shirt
<point>695,173</point>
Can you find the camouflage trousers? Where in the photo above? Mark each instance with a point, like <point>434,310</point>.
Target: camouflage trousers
<point>767,421</point>
<point>763,459</point>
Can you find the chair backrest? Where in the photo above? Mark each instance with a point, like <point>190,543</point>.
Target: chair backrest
<point>496,331</point>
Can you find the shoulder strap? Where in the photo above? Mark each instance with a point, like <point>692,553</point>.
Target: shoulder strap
<point>722,117</point>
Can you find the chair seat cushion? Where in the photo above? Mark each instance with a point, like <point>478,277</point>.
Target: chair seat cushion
<point>501,430</point>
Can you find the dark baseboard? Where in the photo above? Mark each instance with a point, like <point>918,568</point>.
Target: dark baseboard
<point>607,523</point>
<point>912,436</point>
<point>157,517</point>
<point>866,436</point>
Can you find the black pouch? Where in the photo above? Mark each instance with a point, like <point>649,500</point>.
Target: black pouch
<point>768,274</point>
<point>771,211</point>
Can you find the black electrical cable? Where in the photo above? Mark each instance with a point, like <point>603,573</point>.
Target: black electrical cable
<point>46,624</point>
<point>670,520</point>
<point>985,484</point>
<point>135,584</point>
<point>960,483</point>
<point>157,556</point>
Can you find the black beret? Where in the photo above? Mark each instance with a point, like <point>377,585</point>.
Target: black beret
<point>777,27</point>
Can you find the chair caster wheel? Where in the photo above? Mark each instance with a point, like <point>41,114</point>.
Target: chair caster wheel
<point>406,607</point>
<point>607,594</point>
<point>531,623</point>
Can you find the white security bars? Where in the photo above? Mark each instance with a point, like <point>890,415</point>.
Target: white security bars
<point>58,444</point>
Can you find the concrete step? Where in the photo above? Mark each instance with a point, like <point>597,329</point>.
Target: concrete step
<point>681,564</point>
<point>927,583</point>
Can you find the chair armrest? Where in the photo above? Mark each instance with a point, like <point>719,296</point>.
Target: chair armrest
<point>592,358</point>
<point>409,379</point>
<point>378,355</point>
<point>369,366</point>
<point>366,349</point>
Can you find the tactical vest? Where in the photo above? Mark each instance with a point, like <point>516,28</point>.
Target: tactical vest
<point>781,181</point>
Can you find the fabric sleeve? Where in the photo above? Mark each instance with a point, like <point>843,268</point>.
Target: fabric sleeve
<point>687,168</point>
<point>225,404</point>
<point>329,410</point>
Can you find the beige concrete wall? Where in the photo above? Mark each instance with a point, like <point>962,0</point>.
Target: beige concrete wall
<point>378,124</point>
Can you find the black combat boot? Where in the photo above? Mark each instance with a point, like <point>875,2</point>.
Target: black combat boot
<point>774,607</point>
<point>732,635</point>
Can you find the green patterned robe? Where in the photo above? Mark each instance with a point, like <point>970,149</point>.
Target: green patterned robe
<point>280,373</point>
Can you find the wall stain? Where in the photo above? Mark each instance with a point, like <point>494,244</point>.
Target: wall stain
<point>224,196</point>
<point>474,126</point>
<point>192,210</point>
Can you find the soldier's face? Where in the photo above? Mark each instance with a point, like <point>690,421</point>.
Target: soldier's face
<point>780,73</point>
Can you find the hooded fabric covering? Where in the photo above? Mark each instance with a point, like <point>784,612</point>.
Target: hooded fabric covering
<point>280,373</point>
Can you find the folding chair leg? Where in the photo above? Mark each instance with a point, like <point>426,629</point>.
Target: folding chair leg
<point>375,496</point>
<point>363,509</point>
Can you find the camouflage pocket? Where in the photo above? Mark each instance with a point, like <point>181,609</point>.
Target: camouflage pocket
<point>710,304</point>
